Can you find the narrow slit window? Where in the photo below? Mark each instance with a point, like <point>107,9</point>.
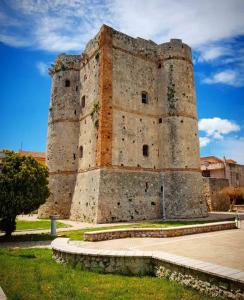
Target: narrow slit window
<point>145,150</point>
<point>83,101</point>
<point>81,151</point>
<point>67,83</point>
<point>144,97</point>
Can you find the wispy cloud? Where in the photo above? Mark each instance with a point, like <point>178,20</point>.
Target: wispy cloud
<point>210,53</point>
<point>204,141</point>
<point>210,27</point>
<point>42,68</point>
<point>229,77</point>
<point>66,25</point>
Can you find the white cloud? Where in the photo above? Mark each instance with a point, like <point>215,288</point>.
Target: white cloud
<point>210,27</point>
<point>42,68</point>
<point>217,127</point>
<point>204,141</point>
<point>13,40</point>
<point>196,22</point>
<point>226,77</point>
<point>211,53</point>
<point>67,25</point>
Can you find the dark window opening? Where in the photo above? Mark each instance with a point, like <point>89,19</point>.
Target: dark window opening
<point>97,57</point>
<point>75,112</point>
<point>145,150</point>
<point>76,88</point>
<point>159,66</point>
<point>144,97</point>
<point>67,83</point>
<point>146,186</point>
<point>74,156</point>
<point>81,151</point>
<point>160,120</point>
<point>83,101</point>
<point>162,188</point>
<point>206,173</point>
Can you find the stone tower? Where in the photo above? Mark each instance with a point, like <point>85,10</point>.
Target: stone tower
<point>123,137</point>
<point>63,135</point>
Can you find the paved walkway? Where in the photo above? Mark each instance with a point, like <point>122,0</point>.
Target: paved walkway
<point>224,248</point>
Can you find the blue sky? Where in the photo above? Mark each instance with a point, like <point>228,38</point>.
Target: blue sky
<point>33,32</point>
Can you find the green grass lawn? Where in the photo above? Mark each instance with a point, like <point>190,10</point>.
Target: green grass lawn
<point>38,224</point>
<point>78,234</point>
<point>28,274</point>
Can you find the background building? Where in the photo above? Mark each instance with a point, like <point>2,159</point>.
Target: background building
<point>215,167</point>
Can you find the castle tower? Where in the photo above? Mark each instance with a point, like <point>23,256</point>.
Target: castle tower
<point>134,134</point>
<point>178,133</point>
<point>63,134</point>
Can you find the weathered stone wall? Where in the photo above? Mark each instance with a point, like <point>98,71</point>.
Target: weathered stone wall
<point>211,187</point>
<point>88,98</point>
<point>85,199</point>
<point>183,195</point>
<point>128,195</point>
<point>63,132</point>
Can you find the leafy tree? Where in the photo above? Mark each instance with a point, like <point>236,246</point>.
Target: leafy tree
<point>23,188</point>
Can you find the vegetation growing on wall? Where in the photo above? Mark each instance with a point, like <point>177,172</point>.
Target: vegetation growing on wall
<point>171,92</point>
<point>94,113</point>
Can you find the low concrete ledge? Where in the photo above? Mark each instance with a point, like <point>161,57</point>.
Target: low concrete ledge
<point>103,235</point>
<point>206,277</point>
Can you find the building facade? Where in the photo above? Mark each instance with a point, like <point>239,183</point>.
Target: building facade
<point>215,167</point>
<point>122,132</point>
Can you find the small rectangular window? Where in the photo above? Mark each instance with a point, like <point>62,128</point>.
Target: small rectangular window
<point>145,150</point>
<point>67,83</point>
<point>144,97</point>
<point>83,101</point>
<point>81,151</point>
<point>206,173</point>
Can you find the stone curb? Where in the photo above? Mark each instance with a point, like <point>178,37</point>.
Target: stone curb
<point>103,235</point>
<point>63,245</point>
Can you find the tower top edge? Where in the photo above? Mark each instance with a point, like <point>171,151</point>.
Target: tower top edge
<point>65,62</point>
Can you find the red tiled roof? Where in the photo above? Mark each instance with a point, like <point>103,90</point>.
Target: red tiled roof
<point>38,155</point>
<point>211,158</point>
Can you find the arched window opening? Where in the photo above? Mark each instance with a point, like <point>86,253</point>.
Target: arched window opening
<point>83,101</point>
<point>145,150</point>
<point>67,83</point>
<point>81,151</point>
<point>144,97</point>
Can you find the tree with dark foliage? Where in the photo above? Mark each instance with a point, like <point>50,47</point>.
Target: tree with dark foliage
<point>23,188</point>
